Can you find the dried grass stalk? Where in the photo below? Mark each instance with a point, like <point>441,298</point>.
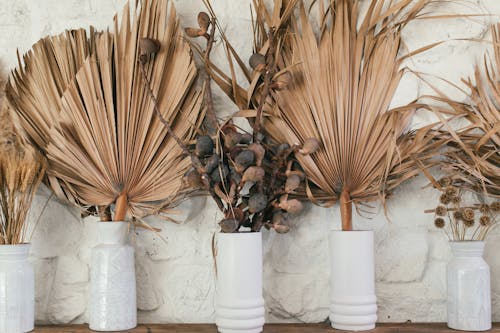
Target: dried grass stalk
<point>107,145</point>
<point>21,171</point>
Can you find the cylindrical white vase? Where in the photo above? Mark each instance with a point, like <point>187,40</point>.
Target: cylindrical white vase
<point>112,303</point>
<point>239,302</point>
<point>17,289</point>
<point>468,282</point>
<point>353,301</point>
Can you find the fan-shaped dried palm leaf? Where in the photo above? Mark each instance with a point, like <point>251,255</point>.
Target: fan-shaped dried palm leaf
<point>107,145</point>
<point>344,82</point>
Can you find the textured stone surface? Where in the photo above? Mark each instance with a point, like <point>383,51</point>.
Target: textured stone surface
<point>175,267</point>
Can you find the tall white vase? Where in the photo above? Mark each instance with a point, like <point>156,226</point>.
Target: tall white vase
<point>468,281</point>
<point>112,303</point>
<point>17,289</point>
<point>239,301</point>
<point>353,301</point>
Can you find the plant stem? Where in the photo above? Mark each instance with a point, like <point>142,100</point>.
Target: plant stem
<point>211,123</point>
<point>121,207</point>
<point>346,210</point>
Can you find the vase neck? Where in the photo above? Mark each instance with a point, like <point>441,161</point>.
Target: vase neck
<point>18,252</point>
<point>113,233</point>
<point>467,248</point>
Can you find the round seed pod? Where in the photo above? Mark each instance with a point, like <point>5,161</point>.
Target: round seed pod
<point>280,228</point>
<point>439,222</point>
<point>278,218</point>
<point>441,210</point>
<point>292,183</point>
<point>229,225</point>
<point>204,146</point>
<point>235,213</point>
<point>444,199</point>
<point>310,146</point>
<point>257,61</point>
<point>301,175</point>
<point>292,206</point>
<point>149,46</point>
<point>445,181</point>
<point>457,215</point>
<point>203,21</point>
<point>258,151</point>
<point>495,206</point>
<point>193,179</point>
<point>484,208</point>
<point>246,138</point>
<point>216,174</point>
<point>253,174</point>
<point>484,220</point>
<point>235,176</point>
<point>193,32</point>
<point>211,163</point>
<point>244,160</point>
<point>257,203</point>
<point>231,139</point>
<point>468,215</point>
<point>282,148</point>
<point>451,191</point>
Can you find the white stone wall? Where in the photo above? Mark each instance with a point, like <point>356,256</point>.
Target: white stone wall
<point>175,269</point>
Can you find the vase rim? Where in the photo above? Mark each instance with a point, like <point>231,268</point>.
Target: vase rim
<point>348,231</point>
<point>239,234</point>
<point>15,248</point>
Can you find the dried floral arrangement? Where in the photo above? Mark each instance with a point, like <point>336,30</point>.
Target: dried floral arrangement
<point>21,171</point>
<point>459,220</point>
<point>251,178</point>
<point>339,88</point>
<point>97,126</point>
<point>472,152</point>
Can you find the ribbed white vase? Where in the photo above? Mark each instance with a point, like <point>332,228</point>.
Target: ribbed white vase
<point>239,302</point>
<point>112,303</point>
<point>17,289</point>
<point>353,301</point>
<point>468,282</point>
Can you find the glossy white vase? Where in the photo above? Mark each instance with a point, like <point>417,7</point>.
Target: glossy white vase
<point>112,299</point>
<point>17,289</point>
<point>468,282</point>
<point>353,301</point>
<point>239,302</point>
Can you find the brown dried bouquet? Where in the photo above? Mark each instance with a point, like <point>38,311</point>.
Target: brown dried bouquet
<point>251,178</point>
<point>460,220</point>
<point>21,171</point>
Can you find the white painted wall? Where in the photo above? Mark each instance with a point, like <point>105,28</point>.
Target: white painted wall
<point>175,276</point>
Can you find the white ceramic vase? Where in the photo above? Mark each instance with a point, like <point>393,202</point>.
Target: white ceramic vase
<point>353,301</point>
<point>239,302</point>
<point>17,289</point>
<point>468,281</point>
<point>112,303</point>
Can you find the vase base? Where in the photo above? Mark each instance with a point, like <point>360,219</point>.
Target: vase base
<point>470,328</point>
<point>354,328</point>
<point>112,329</point>
<point>255,330</point>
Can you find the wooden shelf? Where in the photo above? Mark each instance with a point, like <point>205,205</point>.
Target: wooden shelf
<point>269,328</point>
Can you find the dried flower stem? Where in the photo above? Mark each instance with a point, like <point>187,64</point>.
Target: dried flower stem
<point>211,122</point>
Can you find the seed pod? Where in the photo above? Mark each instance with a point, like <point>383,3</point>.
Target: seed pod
<point>204,146</point>
<point>216,174</point>
<point>235,213</point>
<point>439,222</point>
<point>292,206</point>
<point>246,138</point>
<point>193,32</point>
<point>280,228</point>
<point>244,160</point>
<point>149,46</point>
<point>257,203</point>
<point>229,225</point>
<point>259,152</point>
<point>235,176</point>
<point>310,146</point>
<point>192,178</point>
<point>253,174</point>
<point>301,175</point>
<point>292,183</point>
<point>278,218</point>
<point>282,148</point>
<point>231,139</point>
<point>257,61</point>
<point>203,21</point>
<point>282,81</point>
<point>211,163</point>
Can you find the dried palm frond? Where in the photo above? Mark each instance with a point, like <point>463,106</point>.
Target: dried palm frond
<point>473,153</point>
<point>107,145</point>
<point>21,171</point>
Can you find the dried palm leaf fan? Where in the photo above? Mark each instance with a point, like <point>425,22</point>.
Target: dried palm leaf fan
<point>108,146</point>
<point>344,81</point>
<point>35,88</point>
<point>21,170</point>
<point>473,152</point>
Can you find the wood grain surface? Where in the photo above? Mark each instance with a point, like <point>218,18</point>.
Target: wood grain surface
<point>269,328</point>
